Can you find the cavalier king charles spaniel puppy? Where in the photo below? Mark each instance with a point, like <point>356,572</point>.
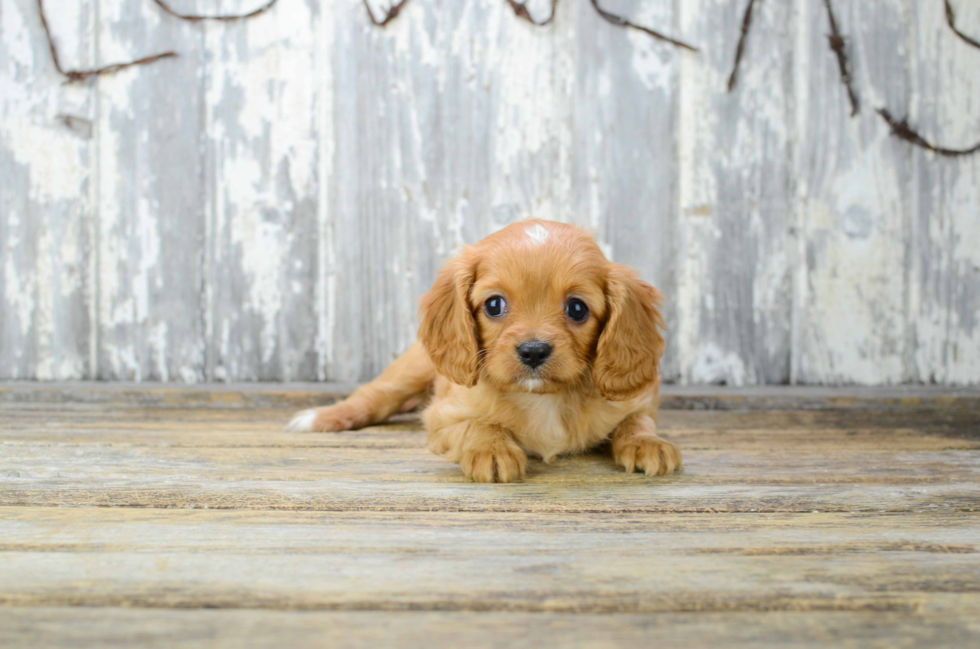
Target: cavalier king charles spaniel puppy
<point>530,343</point>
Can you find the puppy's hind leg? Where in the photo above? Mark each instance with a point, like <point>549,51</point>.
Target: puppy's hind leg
<point>400,387</point>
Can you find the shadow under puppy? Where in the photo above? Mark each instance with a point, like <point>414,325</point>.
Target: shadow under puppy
<point>530,342</point>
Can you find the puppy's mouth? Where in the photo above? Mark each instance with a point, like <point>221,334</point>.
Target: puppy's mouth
<point>531,383</point>
<point>537,379</point>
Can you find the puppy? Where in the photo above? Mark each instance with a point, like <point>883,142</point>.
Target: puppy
<point>530,343</point>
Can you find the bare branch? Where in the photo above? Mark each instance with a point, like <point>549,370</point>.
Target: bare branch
<point>951,19</point>
<point>225,18</point>
<point>390,15</point>
<point>520,10</point>
<point>620,21</point>
<point>81,75</point>
<point>903,131</point>
<point>838,46</point>
<point>746,23</point>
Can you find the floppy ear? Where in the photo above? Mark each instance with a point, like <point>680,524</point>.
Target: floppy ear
<point>446,325</point>
<point>630,346</point>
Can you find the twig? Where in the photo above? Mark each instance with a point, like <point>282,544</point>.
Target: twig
<point>746,23</point>
<point>225,18</point>
<point>903,131</point>
<point>390,15</point>
<point>837,45</point>
<point>951,19</point>
<point>81,75</point>
<point>520,10</point>
<point>619,21</point>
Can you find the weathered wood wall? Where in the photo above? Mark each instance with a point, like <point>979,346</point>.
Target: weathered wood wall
<point>270,205</point>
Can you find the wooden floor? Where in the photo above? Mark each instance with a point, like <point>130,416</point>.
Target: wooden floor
<point>162,517</point>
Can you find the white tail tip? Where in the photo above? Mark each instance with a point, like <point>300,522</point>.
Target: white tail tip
<point>302,423</point>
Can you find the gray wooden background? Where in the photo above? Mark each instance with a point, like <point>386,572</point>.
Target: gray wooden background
<point>271,204</point>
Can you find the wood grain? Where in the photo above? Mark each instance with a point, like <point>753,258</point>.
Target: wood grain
<point>851,204</point>
<point>174,518</point>
<point>813,432</point>
<point>735,259</point>
<point>385,194</point>
<point>149,227</point>
<point>261,94</point>
<point>47,195</point>
<point>623,158</point>
<point>112,627</point>
<point>481,562</point>
<point>271,204</point>
<point>906,399</point>
<point>944,283</point>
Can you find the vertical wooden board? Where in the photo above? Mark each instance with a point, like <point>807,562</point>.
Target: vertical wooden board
<point>506,101</point>
<point>150,226</point>
<point>450,123</point>
<point>384,197</point>
<point>263,192</point>
<point>944,291</point>
<point>851,197</point>
<point>625,151</point>
<point>530,73</point>
<point>734,291</point>
<point>326,282</point>
<point>45,181</point>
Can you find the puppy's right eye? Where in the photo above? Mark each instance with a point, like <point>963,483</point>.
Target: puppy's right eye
<point>495,306</point>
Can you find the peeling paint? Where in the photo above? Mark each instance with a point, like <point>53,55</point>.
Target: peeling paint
<point>270,205</point>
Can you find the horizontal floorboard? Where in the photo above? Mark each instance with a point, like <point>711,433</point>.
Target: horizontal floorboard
<point>677,397</point>
<point>791,430</point>
<point>943,626</point>
<point>481,562</point>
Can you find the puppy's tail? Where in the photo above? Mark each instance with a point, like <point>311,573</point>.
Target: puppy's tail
<point>402,386</point>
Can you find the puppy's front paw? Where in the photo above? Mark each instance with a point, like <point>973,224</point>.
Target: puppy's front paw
<point>495,462</point>
<point>650,454</point>
<point>332,419</point>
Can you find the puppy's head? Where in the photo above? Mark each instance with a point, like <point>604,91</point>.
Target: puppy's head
<point>537,307</point>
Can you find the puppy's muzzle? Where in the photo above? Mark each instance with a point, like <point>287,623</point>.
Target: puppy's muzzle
<point>533,353</point>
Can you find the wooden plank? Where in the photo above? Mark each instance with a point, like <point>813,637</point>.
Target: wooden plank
<point>480,562</point>
<point>33,464</point>
<point>909,399</point>
<point>150,193</point>
<point>263,194</point>
<point>104,530</point>
<point>46,186</point>
<point>734,292</point>
<point>113,627</point>
<point>460,569</point>
<point>623,135</point>
<point>212,433</point>
<point>804,432</point>
<point>412,479</point>
<point>851,199</point>
<point>123,395</point>
<point>388,212</point>
<point>944,300</point>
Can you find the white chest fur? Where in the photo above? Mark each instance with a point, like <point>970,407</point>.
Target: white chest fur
<point>553,424</point>
<point>542,432</point>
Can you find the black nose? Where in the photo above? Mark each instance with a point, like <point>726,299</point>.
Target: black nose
<point>533,353</point>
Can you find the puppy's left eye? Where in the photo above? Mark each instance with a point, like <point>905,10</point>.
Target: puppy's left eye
<point>576,310</point>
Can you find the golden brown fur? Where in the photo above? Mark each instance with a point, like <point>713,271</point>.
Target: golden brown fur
<point>489,410</point>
